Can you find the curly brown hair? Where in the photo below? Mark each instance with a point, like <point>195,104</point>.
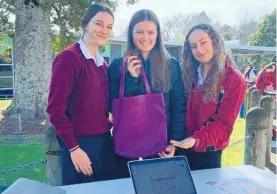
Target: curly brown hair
<point>216,73</point>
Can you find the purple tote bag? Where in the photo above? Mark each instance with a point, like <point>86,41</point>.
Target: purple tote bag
<point>139,122</point>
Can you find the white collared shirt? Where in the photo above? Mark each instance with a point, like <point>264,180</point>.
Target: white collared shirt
<point>99,61</point>
<point>200,79</point>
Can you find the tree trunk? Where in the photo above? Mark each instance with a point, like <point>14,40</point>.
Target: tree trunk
<point>32,59</point>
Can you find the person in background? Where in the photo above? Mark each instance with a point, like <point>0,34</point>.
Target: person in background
<point>145,50</point>
<point>250,76</point>
<point>215,91</point>
<point>266,79</point>
<point>78,102</point>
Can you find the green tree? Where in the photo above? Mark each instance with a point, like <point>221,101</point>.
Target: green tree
<point>6,29</point>
<point>65,17</point>
<point>264,36</point>
<point>266,32</point>
<point>228,32</point>
<point>5,24</point>
<point>7,54</point>
<point>6,48</point>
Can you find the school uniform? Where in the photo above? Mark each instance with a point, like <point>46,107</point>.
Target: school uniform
<point>211,121</point>
<point>265,79</point>
<point>77,108</point>
<point>250,79</point>
<point>174,99</point>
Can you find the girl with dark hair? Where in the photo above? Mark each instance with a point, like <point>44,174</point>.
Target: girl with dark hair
<point>266,79</point>
<point>215,91</point>
<point>146,59</point>
<point>78,102</point>
<point>250,76</point>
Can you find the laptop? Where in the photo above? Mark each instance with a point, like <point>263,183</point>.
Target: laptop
<point>162,176</point>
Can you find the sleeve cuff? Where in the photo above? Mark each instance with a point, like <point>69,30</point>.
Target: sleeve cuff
<point>70,142</point>
<point>135,80</point>
<point>198,146</point>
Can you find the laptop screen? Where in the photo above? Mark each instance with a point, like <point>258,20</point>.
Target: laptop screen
<point>162,176</point>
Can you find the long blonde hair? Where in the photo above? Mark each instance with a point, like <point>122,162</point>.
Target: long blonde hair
<point>216,73</point>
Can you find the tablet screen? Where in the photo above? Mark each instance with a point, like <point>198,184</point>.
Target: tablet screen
<point>162,176</point>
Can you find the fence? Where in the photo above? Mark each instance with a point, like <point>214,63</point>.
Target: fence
<point>259,122</point>
<point>6,96</point>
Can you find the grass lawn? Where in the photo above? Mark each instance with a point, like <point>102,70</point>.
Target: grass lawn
<point>3,105</point>
<point>235,154</point>
<point>12,156</point>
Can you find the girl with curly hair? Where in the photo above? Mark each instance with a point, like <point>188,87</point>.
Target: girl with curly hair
<point>215,91</point>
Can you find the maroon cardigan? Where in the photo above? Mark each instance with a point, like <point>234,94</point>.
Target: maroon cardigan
<point>78,96</point>
<point>211,126</point>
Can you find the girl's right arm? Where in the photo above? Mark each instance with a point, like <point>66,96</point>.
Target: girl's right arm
<point>64,71</point>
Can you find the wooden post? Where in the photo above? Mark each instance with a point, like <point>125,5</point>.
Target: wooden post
<point>248,96</point>
<point>256,96</point>
<point>267,103</point>
<point>16,124</point>
<point>245,103</point>
<point>255,147</point>
<point>53,164</point>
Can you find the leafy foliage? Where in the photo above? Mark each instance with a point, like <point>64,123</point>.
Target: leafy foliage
<point>65,17</point>
<point>264,36</point>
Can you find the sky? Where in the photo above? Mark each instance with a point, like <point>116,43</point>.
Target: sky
<point>225,11</point>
